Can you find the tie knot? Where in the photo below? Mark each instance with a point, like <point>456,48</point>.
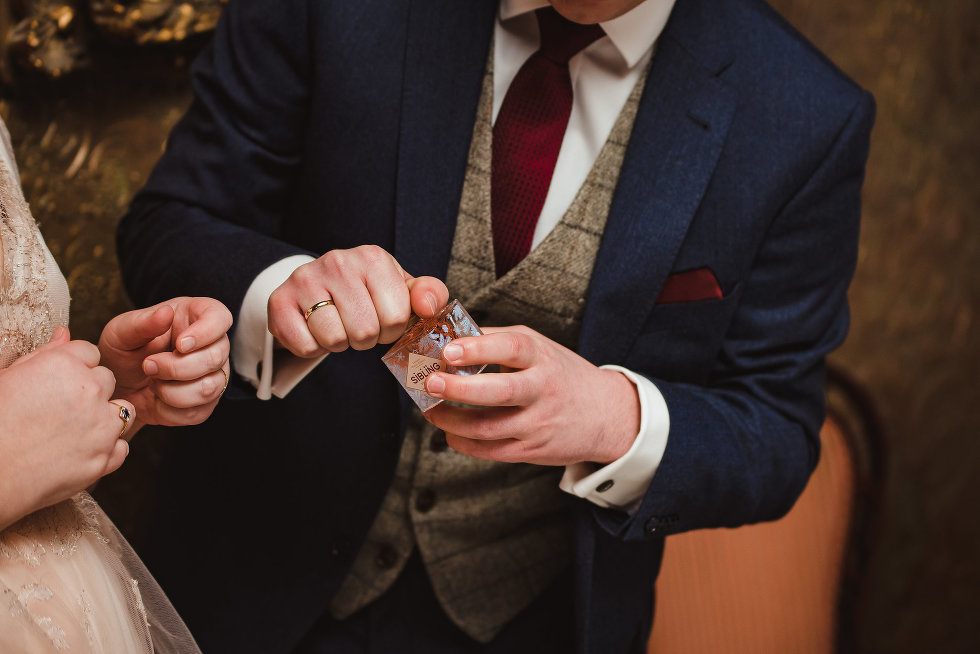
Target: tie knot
<point>561,38</point>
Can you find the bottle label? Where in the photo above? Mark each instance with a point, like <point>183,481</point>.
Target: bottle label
<point>420,367</point>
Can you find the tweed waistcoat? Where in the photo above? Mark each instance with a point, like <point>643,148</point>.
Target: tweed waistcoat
<point>492,535</point>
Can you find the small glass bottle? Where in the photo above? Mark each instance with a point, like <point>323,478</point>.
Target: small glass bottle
<point>418,353</point>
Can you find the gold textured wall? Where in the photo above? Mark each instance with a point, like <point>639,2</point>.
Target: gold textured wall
<point>86,142</point>
<point>915,338</point>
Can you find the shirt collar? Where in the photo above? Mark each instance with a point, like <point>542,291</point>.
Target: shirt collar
<point>633,33</point>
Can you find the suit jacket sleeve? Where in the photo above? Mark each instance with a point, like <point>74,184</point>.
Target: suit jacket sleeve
<point>209,219</point>
<point>742,445</point>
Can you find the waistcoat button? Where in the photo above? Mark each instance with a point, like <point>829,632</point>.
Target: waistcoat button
<point>438,442</point>
<point>425,499</point>
<point>386,558</point>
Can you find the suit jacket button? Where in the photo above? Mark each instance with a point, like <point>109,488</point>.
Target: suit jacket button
<point>604,486</point>
<point>652,524</point>
<point>425,499</point>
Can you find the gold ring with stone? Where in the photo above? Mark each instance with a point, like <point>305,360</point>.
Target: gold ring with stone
<point>125,415</point>
<point>318,305</point>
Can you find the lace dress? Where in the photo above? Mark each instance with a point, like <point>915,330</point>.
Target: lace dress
<point>69,581</point>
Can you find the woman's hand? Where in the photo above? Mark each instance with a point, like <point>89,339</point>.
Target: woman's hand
<point>170,360</point>
<point>59,432</point>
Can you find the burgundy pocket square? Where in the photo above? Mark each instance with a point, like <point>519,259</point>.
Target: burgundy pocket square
<point>690,286</point>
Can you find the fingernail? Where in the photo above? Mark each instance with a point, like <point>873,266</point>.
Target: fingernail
<point>186,344</point>
<point>430,299</point>
<point>435,385</point>
<point>150,367</point>
<point>452,352</point>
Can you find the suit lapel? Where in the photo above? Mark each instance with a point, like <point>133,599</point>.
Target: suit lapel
<point>445,58</point>
<point>676,141</point>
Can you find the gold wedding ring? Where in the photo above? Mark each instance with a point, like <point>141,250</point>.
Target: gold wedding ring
<point>125,415</point>
<point>222,369</point>
<point>318,305</point>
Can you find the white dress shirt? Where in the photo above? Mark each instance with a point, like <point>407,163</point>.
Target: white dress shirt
<point>603,75</point>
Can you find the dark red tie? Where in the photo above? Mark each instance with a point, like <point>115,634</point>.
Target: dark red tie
<point>528,133</point>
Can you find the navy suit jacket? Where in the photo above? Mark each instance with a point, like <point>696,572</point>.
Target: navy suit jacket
<point>322,125</point>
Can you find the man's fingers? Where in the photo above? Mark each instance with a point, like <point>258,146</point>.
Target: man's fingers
<point>208,321</point>
<point>172,416</point>
<point>484,424</point>
<point>190,394</point>
<point>287,322</point>
<point>508,450</point>
<point>135,329</point>
<point>327,329</point>
<point>358,310</point>
<point>428,295</point>
<point>372,300</point>
<point>487,389</point>
<point>392,305</point>
<point>174,366</point>
<point>511,347</point>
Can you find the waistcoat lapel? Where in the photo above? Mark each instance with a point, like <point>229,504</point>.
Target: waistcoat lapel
<point>445,54</point>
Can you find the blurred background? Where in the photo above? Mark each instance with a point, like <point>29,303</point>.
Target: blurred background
<point>89,90</point>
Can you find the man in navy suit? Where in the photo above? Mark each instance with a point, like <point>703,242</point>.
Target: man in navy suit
<point>324,158</point>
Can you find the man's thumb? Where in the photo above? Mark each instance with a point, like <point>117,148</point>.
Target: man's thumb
<point>134,329</point>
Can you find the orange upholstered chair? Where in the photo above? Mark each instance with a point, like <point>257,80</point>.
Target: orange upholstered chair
<point>783,587</point>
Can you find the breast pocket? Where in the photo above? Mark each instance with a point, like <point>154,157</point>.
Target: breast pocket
<point>680,341</point>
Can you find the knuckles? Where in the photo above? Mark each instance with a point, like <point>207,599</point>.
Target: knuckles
<point>349,264</point>
<point>508,390</point>
<point>177,416</point>
<point>362,256</point>
<point>372,255</point>
<point>396,319</point>
<point>518,344</point>
<point>217,355</point>
<point>278,307</point>
<point>304,350</point>
<point>483,430</point>
<point>362,338</point>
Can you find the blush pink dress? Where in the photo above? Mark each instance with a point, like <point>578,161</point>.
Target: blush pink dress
<point>69,581</point>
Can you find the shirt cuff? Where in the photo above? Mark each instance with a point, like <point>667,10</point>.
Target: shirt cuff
<point>623,483</point>
<point>252,345</point>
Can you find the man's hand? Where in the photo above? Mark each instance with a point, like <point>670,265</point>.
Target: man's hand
<point>170,360</point>
<point>547,406</point>
<point>373,299</point>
